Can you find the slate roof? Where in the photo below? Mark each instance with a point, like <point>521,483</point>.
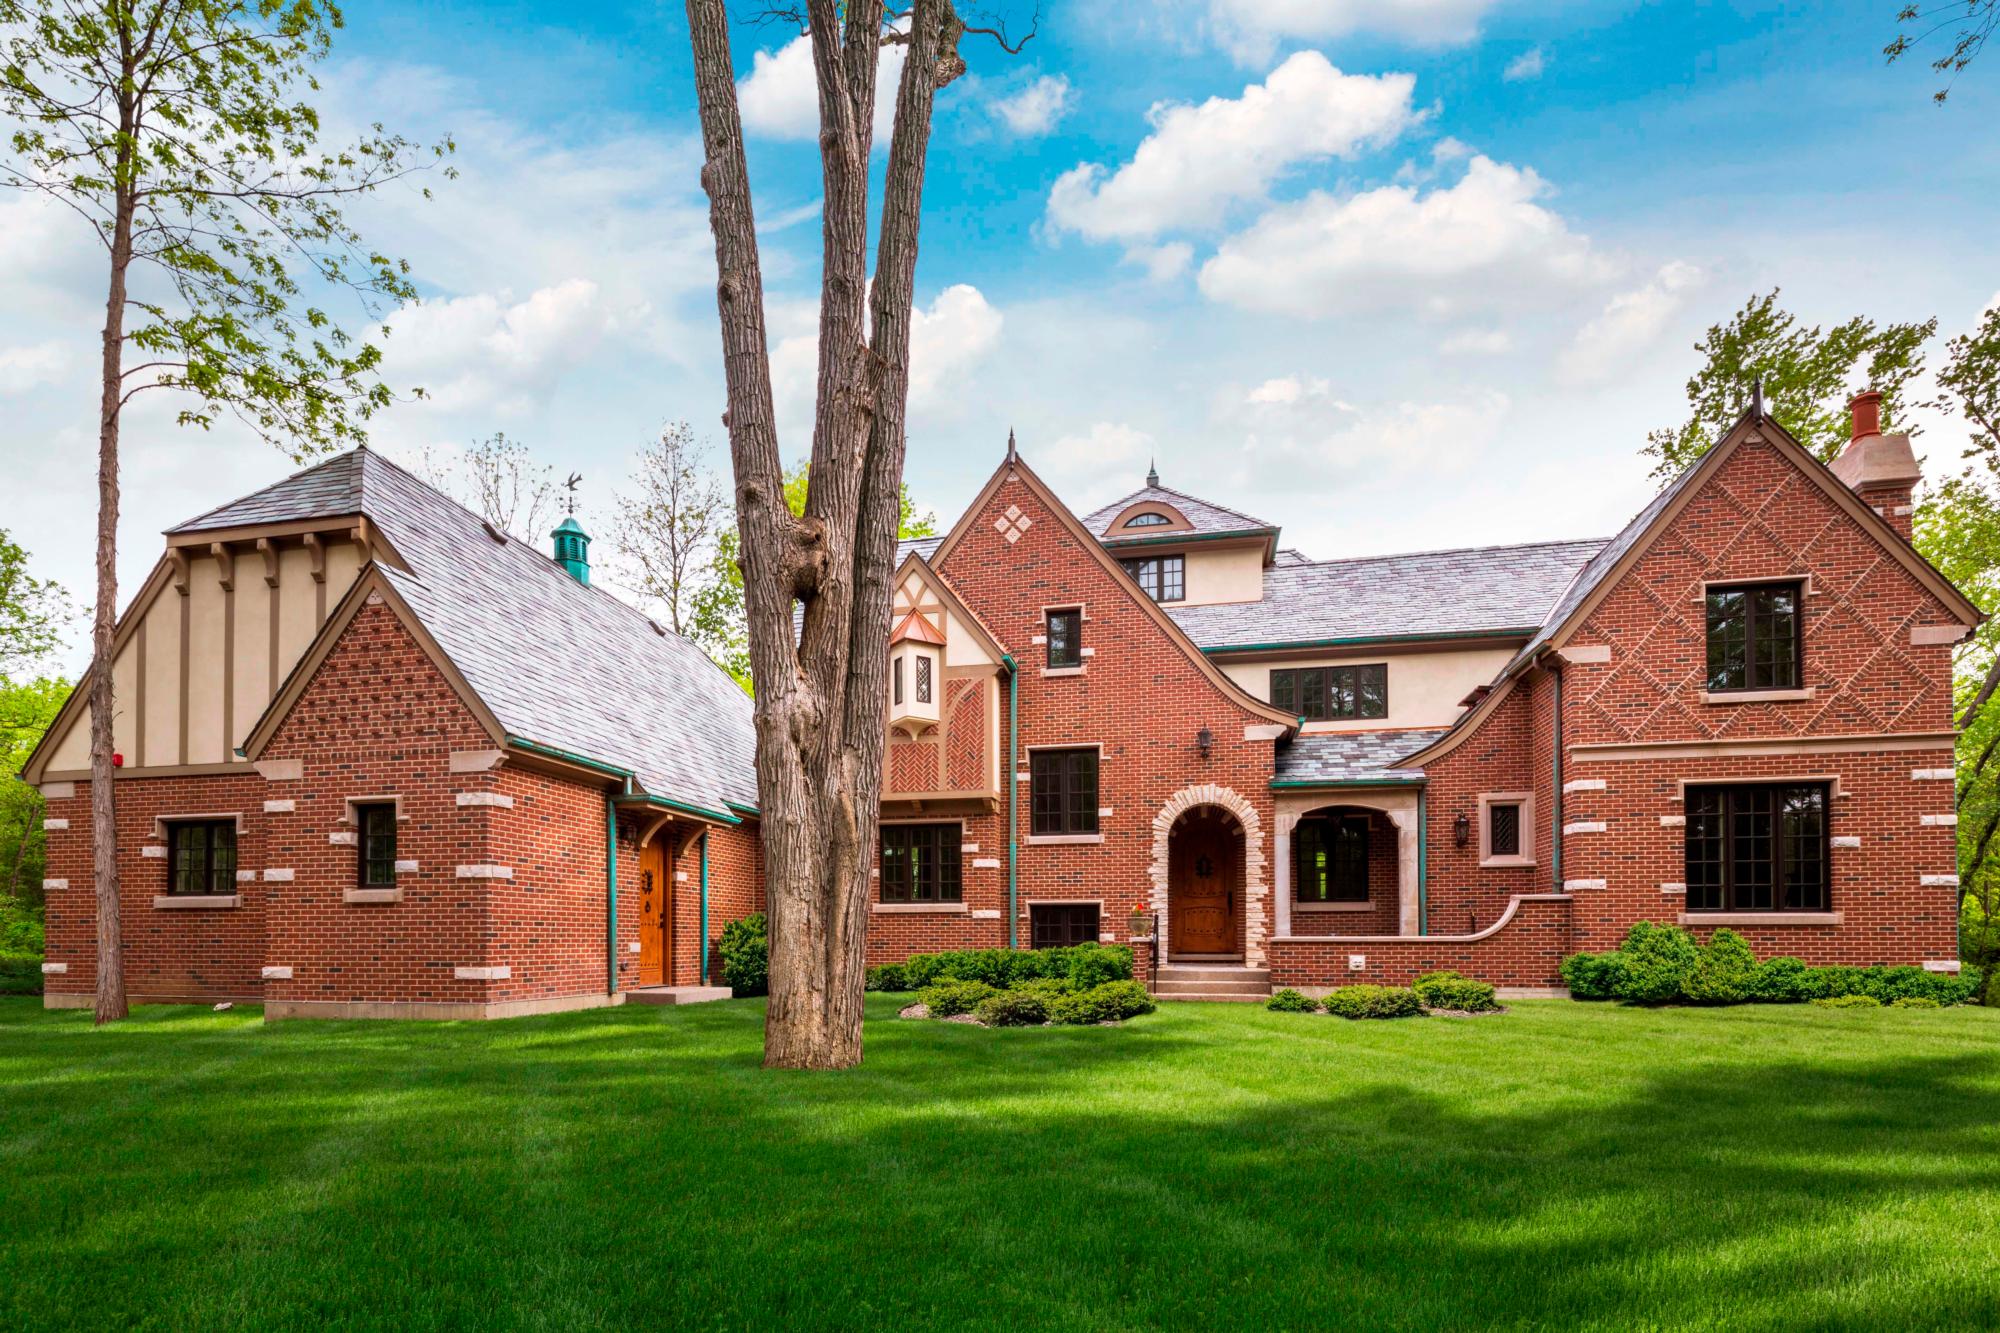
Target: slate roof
<point>923,546</point>
<point>1352,756</point>
<point>1481,589</point>
<point>558,662</point>
<point>1206,518</point>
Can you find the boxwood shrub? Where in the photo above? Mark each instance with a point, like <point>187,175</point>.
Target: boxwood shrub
<point>746,955</point>
<point>1289,1001</point>
<point>1914,1002</point>
<point>1367,1001</point>
<point>1011,1009</point>
<point>1454,990</point>
<point>1852,1001</point>
<point>1110,1002</point>
<point>886,977</point>
<point>1662,964</point>
<point>1083,965</point>
<point>1723,971</point>
<point>948,999</point>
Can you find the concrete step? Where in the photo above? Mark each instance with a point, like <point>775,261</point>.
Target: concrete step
<point>1251,977</point>
<point>1240,986</point>
<point>676,994</point>
<point>1249,998</point>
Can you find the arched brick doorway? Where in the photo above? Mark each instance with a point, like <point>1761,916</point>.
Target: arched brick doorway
<point>1205,885</point>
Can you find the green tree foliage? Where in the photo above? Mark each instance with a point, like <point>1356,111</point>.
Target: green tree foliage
<point>27,707</point>
<point>1971,22</point>
<point>1809,373</point>
<point>32,611</point>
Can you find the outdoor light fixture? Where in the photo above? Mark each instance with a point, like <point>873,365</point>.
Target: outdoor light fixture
<point>1204,741</point>
<point>1461,830</point>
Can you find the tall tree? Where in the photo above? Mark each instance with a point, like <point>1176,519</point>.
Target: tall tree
<point>502,481</point>
<point>1974,21</point>
<point>177,132</point>
<point>32,611</point>
<point>666,527</point>
<point>820,690</point>
<point>1808,374</point>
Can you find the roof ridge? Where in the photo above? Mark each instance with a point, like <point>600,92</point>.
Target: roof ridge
<point>1451,550</point>
<point>286,480</point>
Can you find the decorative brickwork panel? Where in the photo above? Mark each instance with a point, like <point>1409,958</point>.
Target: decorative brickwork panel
<point>913,764</point>
<point>965,735</point>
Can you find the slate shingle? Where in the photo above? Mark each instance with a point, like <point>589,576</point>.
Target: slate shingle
<point>1352,756</point>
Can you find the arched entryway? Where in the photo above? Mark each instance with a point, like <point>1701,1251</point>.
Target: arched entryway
<point>1205,884</point>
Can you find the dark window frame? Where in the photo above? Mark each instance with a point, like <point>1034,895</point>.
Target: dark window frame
<point>923,675</point>
<point>1070,651</point>
<point>1309,840</point>
<point>922,863</point>
<point>1345,692</point>
<point>201,861</point>
<point>1161,577</point>
<point>896,680</point>
<point>1061,925</point>
<point>1148,520</point>
<point>375,862</point>
<point>1761,655</point>
<point>1518,811</point>
<point>1757,847</point>
<point>1063,784</point>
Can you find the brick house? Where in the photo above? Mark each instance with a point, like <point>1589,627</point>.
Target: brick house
<point>1151,724</point>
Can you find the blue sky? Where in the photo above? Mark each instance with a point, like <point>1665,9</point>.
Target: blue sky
<point>1393,275</point>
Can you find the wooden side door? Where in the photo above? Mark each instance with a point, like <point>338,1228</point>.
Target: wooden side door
<point>1203,866</point>
<point>653,913</point>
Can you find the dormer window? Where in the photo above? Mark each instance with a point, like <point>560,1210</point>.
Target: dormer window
<point>1161,577</point>
<point>914,663</point>
<point>1148,521</point>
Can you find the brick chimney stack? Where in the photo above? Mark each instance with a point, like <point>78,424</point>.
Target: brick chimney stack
<point>1881,469</point>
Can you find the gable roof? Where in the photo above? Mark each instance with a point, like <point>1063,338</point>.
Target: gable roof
<point>1014,466</point>
<point>559,664</point>
<point>1419,595</point>
<point>982,633</point>
<point>1204,518</point>
<point>1345,758</point>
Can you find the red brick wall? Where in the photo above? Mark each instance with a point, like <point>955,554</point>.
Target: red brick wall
<point>1384,912</point>
<point>1526,952</point>
<point>735,890</point>
<point>1504,754</point>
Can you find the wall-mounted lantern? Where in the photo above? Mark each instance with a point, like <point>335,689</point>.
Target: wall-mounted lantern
<point>1204,741</point>
<point>1461,830</point>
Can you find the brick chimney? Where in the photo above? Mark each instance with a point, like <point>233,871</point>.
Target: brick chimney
<point>1881,469</point>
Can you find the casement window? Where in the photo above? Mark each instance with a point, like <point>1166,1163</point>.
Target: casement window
<point>1503,828</point>
<point>1062,787</point>
<point>896,681</point>
<point>1755,637</point>
<point>920,863</point>
<point>1148,521</point>
<point>923,678</point>
<point>1331,856</point>
<point>1161,577</point>
<point>1332,693</point>
<point>202,856</point>
<point>376,829</point>
<point>1757,848</point>
<point>1065,637</point>
<point>1059,925</point>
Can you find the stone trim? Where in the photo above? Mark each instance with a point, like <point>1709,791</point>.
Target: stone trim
<point>500,973</point>
<point>281,770</point>
<point>474,761</point>
<point>1256,886</point>
<point>49,885</point>
<point>160,822</point>
<point>1263,731</point>
<point>1524,857</point>
<point>246,877</point>
<point>1063,839</point>
<point>1755,696</point>
<point>1673,888</point>
<point>342,838</point>
<point>1939,821</point>
<point>1673,821</point>
<point>942,909</point>
<point>277,974</point>
<point>1513,908</point>
<point>153,853</point>
<point>1582,885</point>
<point>1585,826</point>
<point>1845,840</point>
<point>1922,635</point>
<point>1585,654</point>
<point>277,876</point>
<point>407,867</point>
<point>54,969</point>
<point>493,798</point>
<point>985,914</point>
<point>285,807</point>
<point>486,872</point>
<point>1937,881</point>
<point>196,902</point>
<point>434,1010</point>
<point>1584,784</point>
<point>372,895</point>
<point>1615,751</point>
<point>54,825</point>
<point>58,791</point>
<point>1941,965</point>
<point>1761,918</point>
<point>985,863</point>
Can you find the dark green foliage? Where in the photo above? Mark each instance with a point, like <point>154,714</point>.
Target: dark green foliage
<point>1888,984</point>
<point>1594,976</point>
<point>949,998</point>
<point>1289,1001</point>
<point>1724,973</point>
<point>1048,989</point>
<point>1012,1009</point>
<point>1914,1002</point>
<point>1454,990</point>
<point>886,977</point>
<point>20,947</point>
<point>1785,981</point>
<point>1083,965</point>
<point>1111,1002</point>
<point>1367,1001</point>
<point>1856,1001</point>
<point>1658,962</point>
<point>746,955</point>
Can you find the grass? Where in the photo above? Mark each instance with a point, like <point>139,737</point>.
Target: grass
<point>1208,1166</point>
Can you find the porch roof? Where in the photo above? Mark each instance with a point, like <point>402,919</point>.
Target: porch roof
<point>1348,758</point>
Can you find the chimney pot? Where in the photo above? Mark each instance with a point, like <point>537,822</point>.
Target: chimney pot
<point>1866,409</point>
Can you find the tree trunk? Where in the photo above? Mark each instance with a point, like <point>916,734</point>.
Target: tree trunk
<point>111,1003</point>
<point>1986,688</point>
<point>819,695</point>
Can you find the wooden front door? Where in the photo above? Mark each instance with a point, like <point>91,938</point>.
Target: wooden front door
<point>653,913</point>
<point>1204,884</point>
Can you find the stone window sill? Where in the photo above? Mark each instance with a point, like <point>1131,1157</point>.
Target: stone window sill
<point>1756,696</point>
<point>1507,863</point>
<point>1063,671</point>
<point>1760,918</point>
<point>950,909</point>
<point>373,895</point>
<point>197,902</point>
<point>1064,840</point>
<point>1333,907</point>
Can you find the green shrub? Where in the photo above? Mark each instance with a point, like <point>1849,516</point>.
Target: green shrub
<point>1289,1001</point>
<point>886,977</point>
<point>1888,984</point>
<point>1658,962</point>
<point>947,999</point>
<point>1725,970</point>
<point>1047,989</point>
<point>1367,1001</point>
<point>1453,990</point>
<point>746,955</point>
<point>20,974</point>
<point>1082,965</point>
<point>1012,1009</point>
<point>1914,1002</point>
<point>20,927</point>
<point>1594,976</point>
<point>1850,1001</point>
<point>1785,981</point>
<point>1110,1002</point>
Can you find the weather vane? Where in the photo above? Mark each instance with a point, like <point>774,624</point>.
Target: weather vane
<point>575,478</point>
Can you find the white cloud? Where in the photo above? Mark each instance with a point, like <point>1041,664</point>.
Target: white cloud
<point>1629,324</point>
<point>1162,263</point>
<point>1482,240</point>
<point>1478,342</point>
<point>1037,108</point>
<point>1097,465</point>
<point>487,353</point>
<point>1298,430</point>
<point>24,368</point>
<point>779,97</point>
<point>1201,159</point>
<point>1252,29</point>
<point>1528,65</point>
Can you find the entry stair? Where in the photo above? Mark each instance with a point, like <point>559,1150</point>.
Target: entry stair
<point>1212,981</point>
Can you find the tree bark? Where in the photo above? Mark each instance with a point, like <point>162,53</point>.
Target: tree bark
<point>110,998</point>
<point>819,695</point>
<point>1972,710</point>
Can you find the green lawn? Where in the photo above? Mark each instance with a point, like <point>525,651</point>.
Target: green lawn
<point>1208,1166</point>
